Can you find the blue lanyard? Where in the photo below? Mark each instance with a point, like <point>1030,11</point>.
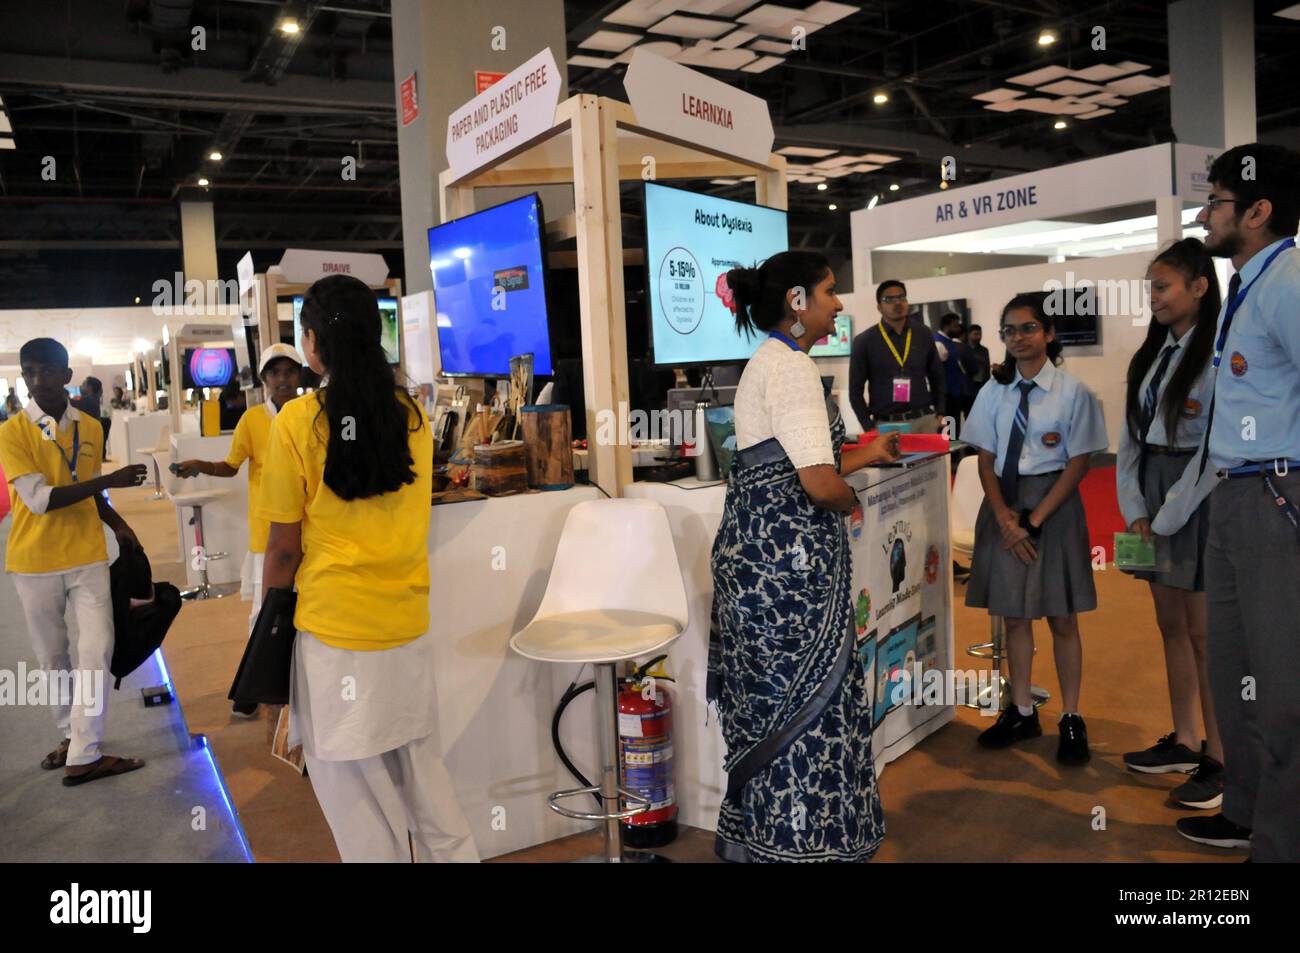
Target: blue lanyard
<point>1241,296</point>
<point>76,446</point>
<point>782,337</point>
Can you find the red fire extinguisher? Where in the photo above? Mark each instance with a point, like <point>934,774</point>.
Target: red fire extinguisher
<point>645,749</point>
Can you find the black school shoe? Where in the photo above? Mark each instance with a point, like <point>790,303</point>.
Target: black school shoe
<point>1215,831</point>
<point>1073,747</point>
<point>1011,727</point>
<point>1166,756</point>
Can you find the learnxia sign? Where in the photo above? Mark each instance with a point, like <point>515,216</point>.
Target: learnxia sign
<point>511,111</point>
<point>687,105</point>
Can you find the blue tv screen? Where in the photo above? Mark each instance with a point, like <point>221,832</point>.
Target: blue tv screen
<point>489,289</point>
<point>692,241</point>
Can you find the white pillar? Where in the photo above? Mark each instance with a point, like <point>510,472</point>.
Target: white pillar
<point>1212,72</point>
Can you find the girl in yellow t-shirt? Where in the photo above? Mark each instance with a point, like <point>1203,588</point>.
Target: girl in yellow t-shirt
<point>346,488</point>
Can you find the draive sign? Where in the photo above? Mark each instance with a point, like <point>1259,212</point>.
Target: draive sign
<point>692,107</point>
<point>302,266</point>
<point>505,115</point>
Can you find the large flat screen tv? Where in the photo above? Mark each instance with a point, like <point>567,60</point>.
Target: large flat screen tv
<point>692,241</point>
<point>489,289</point>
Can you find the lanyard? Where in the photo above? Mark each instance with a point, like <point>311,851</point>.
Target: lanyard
<point>907,345</point>
<point>784,338</point>
<point>1287,508</point>
<point>76,446</point>
<point>1241,296</point>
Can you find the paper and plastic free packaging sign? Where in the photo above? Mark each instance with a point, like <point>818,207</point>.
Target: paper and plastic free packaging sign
<point>505,115</point>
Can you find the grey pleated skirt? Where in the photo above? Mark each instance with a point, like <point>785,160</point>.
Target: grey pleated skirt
<point>1057,583</point>
<point>1186,548</point>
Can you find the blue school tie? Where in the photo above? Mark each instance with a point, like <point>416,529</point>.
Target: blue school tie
<point>1149,410</point>
<point>1233,287</point>
<point>1010,478</point>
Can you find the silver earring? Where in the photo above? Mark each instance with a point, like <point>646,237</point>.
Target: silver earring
<point>797,329</point>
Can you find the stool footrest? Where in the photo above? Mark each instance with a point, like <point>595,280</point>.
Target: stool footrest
<point>641,804</point>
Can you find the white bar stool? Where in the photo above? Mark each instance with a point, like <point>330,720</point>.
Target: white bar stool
<point>615,594</point>
<point>197,499</point>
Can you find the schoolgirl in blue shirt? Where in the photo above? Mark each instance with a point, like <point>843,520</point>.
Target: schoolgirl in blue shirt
<point>1036,427</point>
<point>1162,495</point>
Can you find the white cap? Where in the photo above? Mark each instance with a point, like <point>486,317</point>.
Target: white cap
<point>278,350</point>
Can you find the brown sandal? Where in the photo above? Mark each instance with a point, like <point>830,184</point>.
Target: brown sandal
<point>57,758</point>
<point>106,767</point>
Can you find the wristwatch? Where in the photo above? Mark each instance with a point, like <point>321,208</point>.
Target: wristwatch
<point>1030,528</point>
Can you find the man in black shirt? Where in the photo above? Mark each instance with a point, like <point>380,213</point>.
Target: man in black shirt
<point>980,353</point>
<point>898,361</point>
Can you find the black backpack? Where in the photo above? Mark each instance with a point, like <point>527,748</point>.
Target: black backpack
<point>140,630</point>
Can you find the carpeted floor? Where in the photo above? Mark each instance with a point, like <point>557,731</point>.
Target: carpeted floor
<point>946,800</point>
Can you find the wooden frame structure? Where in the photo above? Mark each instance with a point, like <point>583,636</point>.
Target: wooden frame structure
<point>595,143</point>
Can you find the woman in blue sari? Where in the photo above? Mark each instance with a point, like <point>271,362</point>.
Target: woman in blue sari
<point>792,701</point>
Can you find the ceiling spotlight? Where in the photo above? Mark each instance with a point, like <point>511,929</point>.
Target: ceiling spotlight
<point>880,98</point>
<point>289,26</point>
<point>1059,124</point>
<point>821,186</point>
<point>943,184</point>
<point>893,186</point>
<point>203,182</point>
<point>832,206</point>
<point>1046,38</point>
<point>215,156</point>
<point>875,200</point>
<point>137,299</point>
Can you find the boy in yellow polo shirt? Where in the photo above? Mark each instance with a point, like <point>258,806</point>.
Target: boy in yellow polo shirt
<point>57,555</point>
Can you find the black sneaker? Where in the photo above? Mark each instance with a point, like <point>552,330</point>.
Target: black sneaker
<point>1073,748</point>
<point>1204,789</point>
<point>1011,727</point>
<point>1215,830</point>
<point>1164,757</point>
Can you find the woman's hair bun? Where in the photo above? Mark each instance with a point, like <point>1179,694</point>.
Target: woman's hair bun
<point>743,283</point>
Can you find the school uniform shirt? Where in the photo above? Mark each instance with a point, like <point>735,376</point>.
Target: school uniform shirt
<point>780,395</point>
<point>1259,372</point>
<point>1065,421</point>
<point>42,541</point>
<point>363,583</point>
<point>1187,493</point>
<point>251,441</point>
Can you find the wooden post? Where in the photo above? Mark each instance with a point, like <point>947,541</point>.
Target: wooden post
<point>600,293</point>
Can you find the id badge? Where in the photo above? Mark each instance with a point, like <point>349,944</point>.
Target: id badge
<point>902,390</point>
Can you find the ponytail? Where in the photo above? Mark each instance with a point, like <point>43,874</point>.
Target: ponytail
<point>369,418</point>
<point>759,292</point>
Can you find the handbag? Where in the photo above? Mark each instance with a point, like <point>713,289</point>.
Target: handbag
<point>267,664</point>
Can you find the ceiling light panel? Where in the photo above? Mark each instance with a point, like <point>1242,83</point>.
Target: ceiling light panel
<point>1044,75</point>
<point>642,13</point>
<point>735,38</point>
<point>762,65</point>
<point>609,41</point>
<point>595,62</point>
<point>770,46</point>
<point>998,95</point>
<point>1070,87</point>
<point>1106,71</point>
<point>812,151</point>
<point>1134,85</point>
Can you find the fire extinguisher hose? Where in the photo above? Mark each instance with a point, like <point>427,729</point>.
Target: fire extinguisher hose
<point>573,691</point>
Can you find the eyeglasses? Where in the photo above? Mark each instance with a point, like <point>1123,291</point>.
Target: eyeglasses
<point>1212,204</point>
<point>893,299</point>
<point>1028,329</point>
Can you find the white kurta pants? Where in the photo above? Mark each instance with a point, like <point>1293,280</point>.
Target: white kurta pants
<point>367,722</point>
<point>250,584</point>
<point>45,602</point>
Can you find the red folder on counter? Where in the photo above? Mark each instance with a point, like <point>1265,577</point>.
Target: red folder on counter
<point>913,442</point>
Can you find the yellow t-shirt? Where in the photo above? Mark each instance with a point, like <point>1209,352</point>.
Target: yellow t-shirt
<point>363,583</point>
<point>62,539</point>
<point>251,441</point>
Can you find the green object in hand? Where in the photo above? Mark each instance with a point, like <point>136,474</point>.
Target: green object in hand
<point>1134,552</point>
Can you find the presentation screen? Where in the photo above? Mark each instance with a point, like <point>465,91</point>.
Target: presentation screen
<point>489,289</point>
<point>207,366</point>
<point>692,241</point>
<point>390,330</point>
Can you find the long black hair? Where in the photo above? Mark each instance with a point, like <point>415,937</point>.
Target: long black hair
<point>369,417</point>
<point>760,292</point>
<point>1005,372</point>
<point>1189,258</point>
